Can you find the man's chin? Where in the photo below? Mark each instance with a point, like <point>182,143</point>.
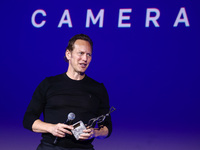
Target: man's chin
<point>82,73</point>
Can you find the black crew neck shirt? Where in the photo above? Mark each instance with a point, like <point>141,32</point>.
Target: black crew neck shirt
<point>59,95</point>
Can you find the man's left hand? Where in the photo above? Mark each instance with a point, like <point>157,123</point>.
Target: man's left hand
<point>88,134</point>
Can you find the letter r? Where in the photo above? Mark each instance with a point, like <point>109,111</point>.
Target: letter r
<point>153,19</point>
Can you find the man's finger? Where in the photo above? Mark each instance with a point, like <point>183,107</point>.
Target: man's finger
<point>70,127</point>
<point>64,130</point>
<point>84,135</point>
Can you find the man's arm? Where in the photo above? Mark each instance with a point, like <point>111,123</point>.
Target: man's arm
<point>58,130</point>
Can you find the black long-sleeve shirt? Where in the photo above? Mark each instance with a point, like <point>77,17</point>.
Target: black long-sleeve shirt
<point>59,95</point>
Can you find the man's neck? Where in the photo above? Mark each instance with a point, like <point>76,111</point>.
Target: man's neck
<point>75,75</point>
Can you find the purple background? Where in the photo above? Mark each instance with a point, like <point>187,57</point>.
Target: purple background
<point>151,74</point>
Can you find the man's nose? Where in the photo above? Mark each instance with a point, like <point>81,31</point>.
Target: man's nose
<point>85,57</point>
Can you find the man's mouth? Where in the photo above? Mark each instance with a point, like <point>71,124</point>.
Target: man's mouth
<point>83,65</point>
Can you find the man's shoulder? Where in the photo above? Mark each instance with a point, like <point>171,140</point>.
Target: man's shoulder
<point>93,81</point>
<point>58,77</point>
<point>95,86</point>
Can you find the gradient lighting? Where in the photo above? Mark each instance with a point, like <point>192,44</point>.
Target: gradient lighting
<point>145,52</point>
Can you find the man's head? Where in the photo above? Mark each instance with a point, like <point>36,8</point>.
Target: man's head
<point>71,42</point>
<point>79,53</point>
<point>84,37</point>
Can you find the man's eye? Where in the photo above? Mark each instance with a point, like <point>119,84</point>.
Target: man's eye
<point>81,53</point>
<point>89,55</point>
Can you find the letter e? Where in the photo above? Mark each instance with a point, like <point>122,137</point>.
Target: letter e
<point>121,18</point>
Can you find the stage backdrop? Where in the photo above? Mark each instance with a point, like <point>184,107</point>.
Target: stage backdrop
<point>147,53</point>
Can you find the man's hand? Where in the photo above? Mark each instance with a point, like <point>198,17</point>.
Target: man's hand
<point>60,130</point>
<point>94,133</point>
<point>88,134</point>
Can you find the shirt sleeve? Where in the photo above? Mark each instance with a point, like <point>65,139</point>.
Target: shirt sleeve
<point>104,109</point>
<point>36,105</point>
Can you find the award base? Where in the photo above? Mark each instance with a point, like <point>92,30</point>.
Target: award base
<point>78,129</point>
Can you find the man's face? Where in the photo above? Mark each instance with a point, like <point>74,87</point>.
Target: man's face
<point>80,58</point>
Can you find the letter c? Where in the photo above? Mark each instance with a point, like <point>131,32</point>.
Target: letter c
<point>34,23</point>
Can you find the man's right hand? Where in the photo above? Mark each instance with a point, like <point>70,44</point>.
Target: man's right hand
<point>58,130</point>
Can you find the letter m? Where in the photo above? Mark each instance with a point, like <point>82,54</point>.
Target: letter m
<point>94,20</point>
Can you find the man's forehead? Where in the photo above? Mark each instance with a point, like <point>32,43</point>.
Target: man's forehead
<point>81,42</point>
<point>82,45</point>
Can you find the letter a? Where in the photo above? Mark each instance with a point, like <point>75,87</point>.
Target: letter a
<point>63,21</point>
<point>182,20</point>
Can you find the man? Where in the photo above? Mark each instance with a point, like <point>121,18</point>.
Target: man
<point>72,91</point>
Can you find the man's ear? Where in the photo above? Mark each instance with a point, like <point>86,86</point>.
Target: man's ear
<point>68,54</point>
